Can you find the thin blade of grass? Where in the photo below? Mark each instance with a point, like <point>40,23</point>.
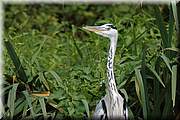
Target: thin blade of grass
<point>174,80</point>
<point>16,61</point>
<point>11,99</point>
<point>43,107</point>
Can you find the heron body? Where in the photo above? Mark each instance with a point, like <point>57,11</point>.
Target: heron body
<point>112,105</point>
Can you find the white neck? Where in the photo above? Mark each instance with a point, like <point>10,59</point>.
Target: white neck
<point>110,73</point>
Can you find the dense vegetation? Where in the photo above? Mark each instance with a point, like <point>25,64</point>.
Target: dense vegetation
<point>57,56</point>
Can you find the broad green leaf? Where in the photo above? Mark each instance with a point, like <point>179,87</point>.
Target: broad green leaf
<point>16,61</point>
<point>139,80</point>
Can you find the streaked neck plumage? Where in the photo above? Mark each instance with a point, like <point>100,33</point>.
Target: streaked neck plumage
<point>110,73</point>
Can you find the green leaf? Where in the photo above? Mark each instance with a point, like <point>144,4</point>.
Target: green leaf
<point>173,49</point>
<point>86,107</point>
<point>25,110</point>
<point>29,101</point>
<point>139,82</point>
<point>43,107</point>
<point>174,9</point>
<point>171,27</point>
<point>11,99</point>
<point>174,81</point>
<point>71,110</point>
<point>16,61</point>
<point>163,31</point>
<point>19,105</point>
<point>167,61</point>
<point>156,75</point>
<point>57,78</point>
<point>34,57</point>
<point>137,87</point>
<point>44,81</point>
<point>130,114</point>
<point>167,110</point>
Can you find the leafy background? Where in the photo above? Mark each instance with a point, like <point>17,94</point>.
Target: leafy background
<point>60,58</point>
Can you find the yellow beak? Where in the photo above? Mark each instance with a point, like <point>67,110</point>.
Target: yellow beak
<point>96,29</point>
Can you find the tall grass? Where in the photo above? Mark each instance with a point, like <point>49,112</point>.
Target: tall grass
<point>159,100</point>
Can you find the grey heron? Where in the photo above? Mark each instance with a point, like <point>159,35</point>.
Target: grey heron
<point>112,105</point>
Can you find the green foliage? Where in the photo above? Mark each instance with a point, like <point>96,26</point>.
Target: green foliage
<point>46,44</point>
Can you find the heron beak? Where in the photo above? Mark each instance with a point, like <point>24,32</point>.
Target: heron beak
<point>96,29</point>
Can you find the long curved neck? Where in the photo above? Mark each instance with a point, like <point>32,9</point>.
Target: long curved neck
<point>110,73</point>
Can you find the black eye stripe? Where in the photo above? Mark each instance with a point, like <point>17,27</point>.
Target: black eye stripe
<point>112,26</point>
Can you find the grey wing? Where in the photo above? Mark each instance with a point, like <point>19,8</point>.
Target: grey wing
<point>101,111</point>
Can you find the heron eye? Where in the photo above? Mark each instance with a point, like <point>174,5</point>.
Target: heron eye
<point>108,28</point>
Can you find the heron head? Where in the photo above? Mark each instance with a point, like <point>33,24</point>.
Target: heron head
<point>106,30</point>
